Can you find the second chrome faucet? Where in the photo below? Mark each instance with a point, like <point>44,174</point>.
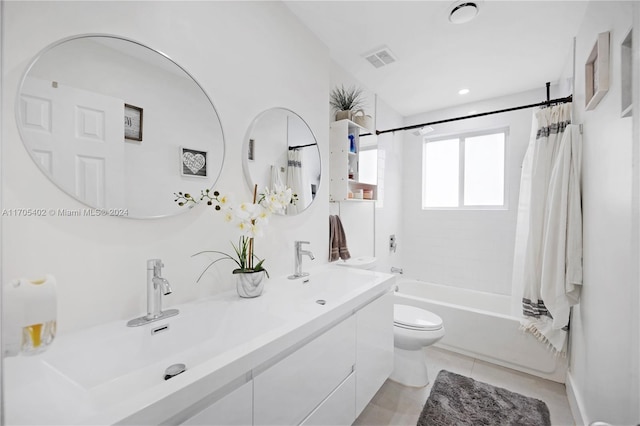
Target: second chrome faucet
<point>298,260</point>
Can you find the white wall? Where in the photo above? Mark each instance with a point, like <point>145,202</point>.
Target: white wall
<point>389,212</point>
<point>604,352</point>
<point>1,200</point>
<point>248,56</point>
<point>474,248</point>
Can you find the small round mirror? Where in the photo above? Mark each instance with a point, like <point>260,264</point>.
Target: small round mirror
<point>281,150</point>
<point>118,125</point>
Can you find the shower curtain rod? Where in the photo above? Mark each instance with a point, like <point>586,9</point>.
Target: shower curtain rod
<point>301,146</point>
<point>548,102</point>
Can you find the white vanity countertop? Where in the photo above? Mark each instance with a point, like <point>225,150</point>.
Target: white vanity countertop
<point>115,374</point>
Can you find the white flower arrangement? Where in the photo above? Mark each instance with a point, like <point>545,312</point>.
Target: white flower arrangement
<point>249,219</point>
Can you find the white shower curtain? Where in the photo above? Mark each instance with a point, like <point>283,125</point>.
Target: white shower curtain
<point>547,267</point>
<point>297,182</point>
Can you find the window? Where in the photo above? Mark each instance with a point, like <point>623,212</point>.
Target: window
<point>465,171</point>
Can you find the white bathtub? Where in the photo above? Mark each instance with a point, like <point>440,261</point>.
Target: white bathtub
<point>479,325</point>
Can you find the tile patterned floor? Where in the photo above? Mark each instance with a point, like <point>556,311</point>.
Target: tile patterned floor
<point>395,404</point>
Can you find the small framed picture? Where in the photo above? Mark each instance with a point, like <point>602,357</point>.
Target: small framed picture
<point>132,123</point>
<point>597,72</point>
<point>193,162</point>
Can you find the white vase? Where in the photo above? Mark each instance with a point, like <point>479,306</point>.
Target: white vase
<point>250,284</point>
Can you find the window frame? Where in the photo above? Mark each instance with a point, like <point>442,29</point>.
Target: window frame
<point>461,162</point>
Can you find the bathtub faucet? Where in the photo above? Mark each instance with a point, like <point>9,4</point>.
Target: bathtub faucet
<point>395,270</point>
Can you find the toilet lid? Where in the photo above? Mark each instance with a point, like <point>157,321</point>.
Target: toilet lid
<point>415,318</point>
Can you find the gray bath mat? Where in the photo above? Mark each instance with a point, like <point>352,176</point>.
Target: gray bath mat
<point>459,400</point>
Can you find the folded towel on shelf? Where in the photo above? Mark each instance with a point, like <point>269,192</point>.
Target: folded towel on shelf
<point>337,240</point>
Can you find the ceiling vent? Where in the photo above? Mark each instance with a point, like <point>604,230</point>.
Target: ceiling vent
<point>380,57</point>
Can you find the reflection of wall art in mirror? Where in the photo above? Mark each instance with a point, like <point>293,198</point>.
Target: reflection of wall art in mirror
<point>132,122</point>
<point>193,162</point>
<point>252,152</point>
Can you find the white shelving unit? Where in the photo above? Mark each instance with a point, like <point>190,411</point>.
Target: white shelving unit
<point>344,162</point>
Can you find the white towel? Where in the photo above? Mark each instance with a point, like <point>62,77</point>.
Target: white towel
<point>561,279</point>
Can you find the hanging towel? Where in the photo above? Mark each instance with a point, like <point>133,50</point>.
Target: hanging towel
<point>337,240</point>
<point>561,272</point>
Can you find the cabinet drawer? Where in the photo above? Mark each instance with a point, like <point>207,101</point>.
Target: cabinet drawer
<point>288,391</point>
<point>338,409</point>
<point>232,409</point>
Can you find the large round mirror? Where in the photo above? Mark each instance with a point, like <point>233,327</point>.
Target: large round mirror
<point>119,126</point>
<point>281,150</point>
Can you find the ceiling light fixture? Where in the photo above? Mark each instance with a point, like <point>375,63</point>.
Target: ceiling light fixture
<point>463,11</point>
<point>463,91</point>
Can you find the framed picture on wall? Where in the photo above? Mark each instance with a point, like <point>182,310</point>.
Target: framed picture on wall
<point>597,72</point>
<point>193,162</point>
<point>132,123</point>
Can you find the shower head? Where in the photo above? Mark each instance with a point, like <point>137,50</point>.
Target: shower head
<point>423,131</point>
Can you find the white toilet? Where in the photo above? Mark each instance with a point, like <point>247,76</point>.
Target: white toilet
<point>413,330</point>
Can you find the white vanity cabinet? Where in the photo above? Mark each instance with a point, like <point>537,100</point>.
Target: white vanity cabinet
<point>234,409</point>
<point>327,380</point>
<point>374,348</point>
<point>287,392</point>
<point>337,409</point>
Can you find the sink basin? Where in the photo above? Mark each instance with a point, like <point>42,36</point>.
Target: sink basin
<point>335,283</point>
<point>124,359</point>
<point>111,373</point>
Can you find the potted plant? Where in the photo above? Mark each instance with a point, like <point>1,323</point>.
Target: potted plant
<point>249,219</point>
<point>345,102</point>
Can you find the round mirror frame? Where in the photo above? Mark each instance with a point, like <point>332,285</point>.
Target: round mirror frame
<point>215,176</point>
<point>246,147</point>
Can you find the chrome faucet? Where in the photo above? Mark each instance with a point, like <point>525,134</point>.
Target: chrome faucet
<point>156,288</point>
<point>298,257</point>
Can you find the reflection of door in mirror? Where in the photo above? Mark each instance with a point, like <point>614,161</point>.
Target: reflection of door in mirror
<point>84,149</point>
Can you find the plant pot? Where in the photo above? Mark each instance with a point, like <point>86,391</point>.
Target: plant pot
<point>250,284</point>
<point>344,115</point>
